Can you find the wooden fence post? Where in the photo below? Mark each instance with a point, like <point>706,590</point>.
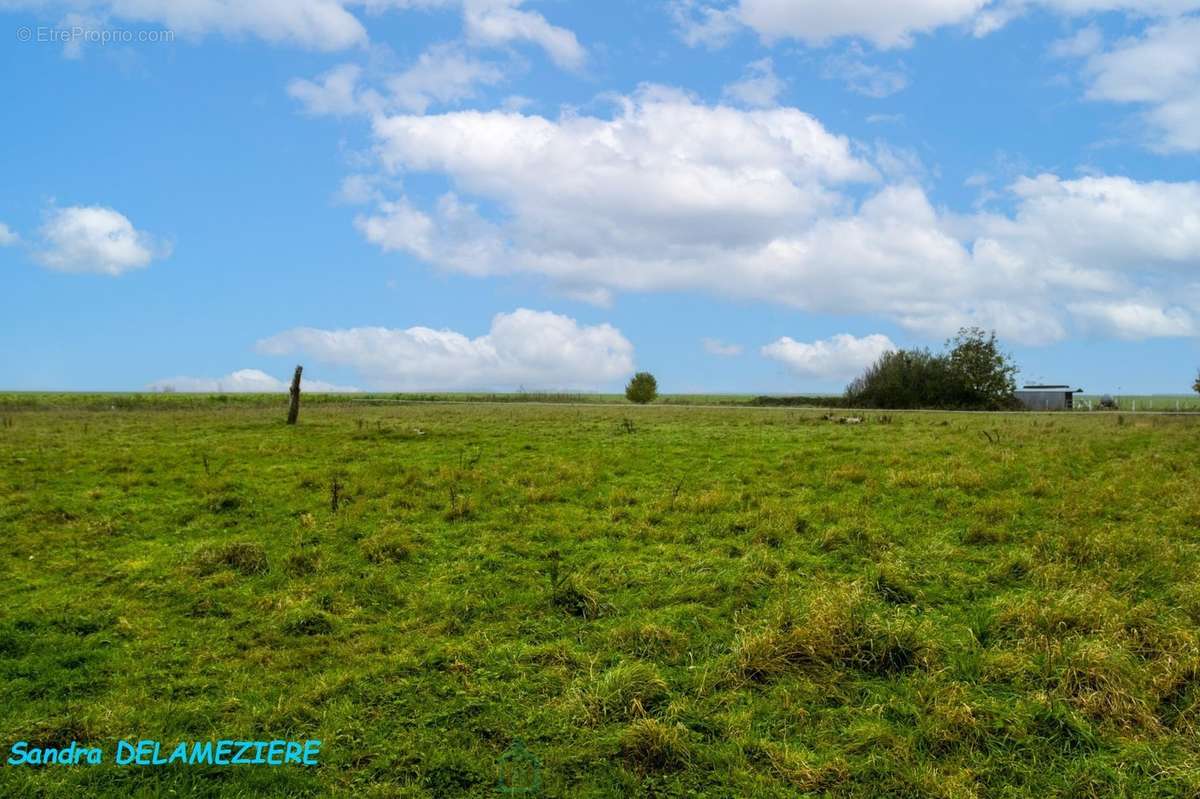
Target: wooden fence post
<point>294,408</point>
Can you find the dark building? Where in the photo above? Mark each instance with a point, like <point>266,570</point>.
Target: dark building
<point>1048,398</point>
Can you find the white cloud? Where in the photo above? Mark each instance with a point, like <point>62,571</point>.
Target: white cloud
<point>8,236</point>
<point>315,24</point>
<point>1134,320</point>
<point>862,77</point>
<point>717,347</point>
<point>502,21</point>
<point>244,381</point>
<point>95,239</point>
<point>670,195</point>
<point>1078,8</point>
<point>334,93</point>
<point>886,24</point>
<point>661,165</point>
<point>759,87</point>
<point>1079,229</point>
<point>533,349</point>
<point>840,357</point>
<point>399,226</point>
<point>1160,71</point>
<point>699,24</point>
<point>359,189</point>
<point>1084,42</point>
<point>327,25</point>
<point>444,74</point>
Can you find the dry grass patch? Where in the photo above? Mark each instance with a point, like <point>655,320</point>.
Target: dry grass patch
<point>629,690</point>
<point>651,745</point>
<point>839,627</point>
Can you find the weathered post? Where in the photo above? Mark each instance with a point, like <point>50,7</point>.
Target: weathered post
<point>294,408</point>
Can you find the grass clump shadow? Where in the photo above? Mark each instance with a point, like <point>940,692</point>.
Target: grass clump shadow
<point>388,548</point>
<point>570,592</point>
<point>802,773</point>
<point>651,745</point>
<point>839,627</point>
<point>244,557</point>
<point>628,690</point>
<point>302,562</point>
<point>308,623</point>
<point>574,596</point>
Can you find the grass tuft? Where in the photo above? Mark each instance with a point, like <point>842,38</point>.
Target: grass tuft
<point>651,745</point>
<point>243,557</point>
<point>308,622</point>
<point>629,690</point>
<point>836,628</point>
<point>576,597</point>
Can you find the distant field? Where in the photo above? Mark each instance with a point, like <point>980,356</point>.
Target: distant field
<point>130,401</point>
<point>1143,402</point>
<point>660,601</point>
<point>169,400</point>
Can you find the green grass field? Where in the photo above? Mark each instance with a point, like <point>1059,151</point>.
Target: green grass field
<point>1168,403</point>
<point>692,602</point>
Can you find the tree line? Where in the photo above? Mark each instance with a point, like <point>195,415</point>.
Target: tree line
<point>973,373</point>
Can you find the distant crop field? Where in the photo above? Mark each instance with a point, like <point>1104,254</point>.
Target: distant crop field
<point>657,601</point>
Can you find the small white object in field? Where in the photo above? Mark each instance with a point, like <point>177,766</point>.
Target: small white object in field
<point>852,420</point>
<point>418,431</point>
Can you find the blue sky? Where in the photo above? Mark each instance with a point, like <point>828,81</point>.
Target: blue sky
<point>743,196</point>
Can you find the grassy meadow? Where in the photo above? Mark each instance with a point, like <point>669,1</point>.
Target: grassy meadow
<point>659,601</point>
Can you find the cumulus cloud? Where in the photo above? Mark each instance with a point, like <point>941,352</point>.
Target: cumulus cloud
<point>886,24</point>
<point>839,357</point>
<point>503,21</point>
<point>315,24</point>
<point>243,381</point>
<point>668,194</point>
<point>327,25</point>
<point>334,93</point>
<point>664,169</point>
<point>759,87</point>
<point>1135,320</point>
<point>95,239</point>
<point>8,236</point>
<point>442,75</point>
<point>701,24</point>
<point>1160,72</point>
<point>533,349</point>
<point>717,347</point>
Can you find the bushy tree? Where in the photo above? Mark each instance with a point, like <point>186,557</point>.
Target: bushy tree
<point>902,379</point>
<point>1196,385</point>
<point>642,388</point>
<point>982,373</point>
<point>973,374</point>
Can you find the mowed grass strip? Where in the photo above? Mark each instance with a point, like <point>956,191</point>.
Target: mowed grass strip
<point>658,601</point>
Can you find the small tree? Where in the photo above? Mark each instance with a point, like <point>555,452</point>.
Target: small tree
<point>642,388</point>
<point>983,374</point>
<point>1196,385</point>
